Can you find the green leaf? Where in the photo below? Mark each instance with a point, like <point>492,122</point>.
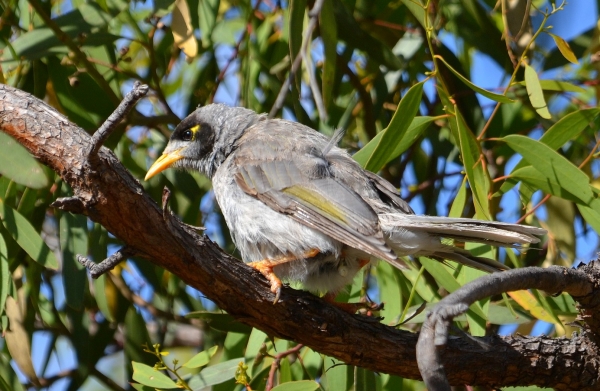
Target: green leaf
<point>148,376</point>
<point>414,131</point>
<point>302,385</point>
<point>338,375</point>
<point>591,214</point>
<point>417,9</point>
<point>255,342</point>
<point>564,48</point>
<point>215,374</point>
<point>498,314</point>
<point>390,281</point>
<point>486,93</point>
<point>220,321</point>
<point>365,379</point>
<point>141,387</point>
<point>477,323</point>
<point>538,181</point>
<point>567,128</point>
<point>73,241</point>
<point>17,164</point>
<point>460,200</point>
<point>5,275</point>
<point>328,28</point>
<point>226,31</point>
<point>447,280</point>
<point>201,359</point>
<point>26,236</point>
<point>207,18</point>
<point>553,166</point>
<point>85,103</point>
<point>477,175</point>
<point>441,275</point>
<point>140,337</point>
<point>396,130</point>
<point>81,24</point>
<point>555,85</point>
<point>536,95</point>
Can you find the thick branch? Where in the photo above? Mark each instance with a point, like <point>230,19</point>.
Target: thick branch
<point>110,196</point>
<point>434,334</point>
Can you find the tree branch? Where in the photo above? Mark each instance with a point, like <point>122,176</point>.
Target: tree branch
<point>110,196</point>
<point>434,333</point>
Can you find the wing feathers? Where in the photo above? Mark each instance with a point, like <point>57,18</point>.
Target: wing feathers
<point>320,203</point>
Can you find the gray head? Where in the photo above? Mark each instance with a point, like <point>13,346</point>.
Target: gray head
<point>204,139</point>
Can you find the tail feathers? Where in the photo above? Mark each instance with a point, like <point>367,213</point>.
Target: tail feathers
<point>465,230</point>
<point>466,258</point>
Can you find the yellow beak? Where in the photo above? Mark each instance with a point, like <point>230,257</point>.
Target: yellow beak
<point>163,162</point>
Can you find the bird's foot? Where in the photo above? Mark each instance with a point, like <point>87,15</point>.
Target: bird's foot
<point>265,267</point>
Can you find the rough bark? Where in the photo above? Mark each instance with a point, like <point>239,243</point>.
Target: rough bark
<point>434,333</point>
<point>108,194</point>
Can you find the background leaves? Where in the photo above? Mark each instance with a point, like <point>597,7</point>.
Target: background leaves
<point>505,140</point>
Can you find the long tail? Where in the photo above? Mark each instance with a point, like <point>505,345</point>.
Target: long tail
<point>421,235</point>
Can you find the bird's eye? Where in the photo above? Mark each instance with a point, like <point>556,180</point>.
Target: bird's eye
<point>186,135</point>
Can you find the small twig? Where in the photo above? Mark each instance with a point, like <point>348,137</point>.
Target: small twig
<point>314,87</point>
<point>275,365</point>
<point>70,204</point>
<point>434,333</point>
<point>428,183</point>
<point>49,381</point>
<point>590,155</point>
<point>98,269</point>
<point>489,121</point>
<point>100,136</point>
<point>542,202</point>
<point>312,24</point>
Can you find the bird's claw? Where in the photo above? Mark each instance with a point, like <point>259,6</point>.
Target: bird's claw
<point>277,293</point>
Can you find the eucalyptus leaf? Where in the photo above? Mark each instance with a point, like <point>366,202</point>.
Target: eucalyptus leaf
<point>486,93</point>
<point>302,385</point>
<point>17,164</point>
<point>414,131</point>
<point>396,130</point>
<point>149,376</point>
<point>27,237</point>
<point>555,167</point>
<point>536,95</point>
<point>215,374</point>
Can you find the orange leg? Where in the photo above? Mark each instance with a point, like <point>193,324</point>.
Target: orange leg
<point>265,267</point>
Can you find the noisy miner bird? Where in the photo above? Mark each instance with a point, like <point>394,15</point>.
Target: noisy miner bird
<point>301,209</point>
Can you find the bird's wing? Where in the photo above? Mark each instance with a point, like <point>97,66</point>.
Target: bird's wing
<point>297,183</point>
<point>388,193</point>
